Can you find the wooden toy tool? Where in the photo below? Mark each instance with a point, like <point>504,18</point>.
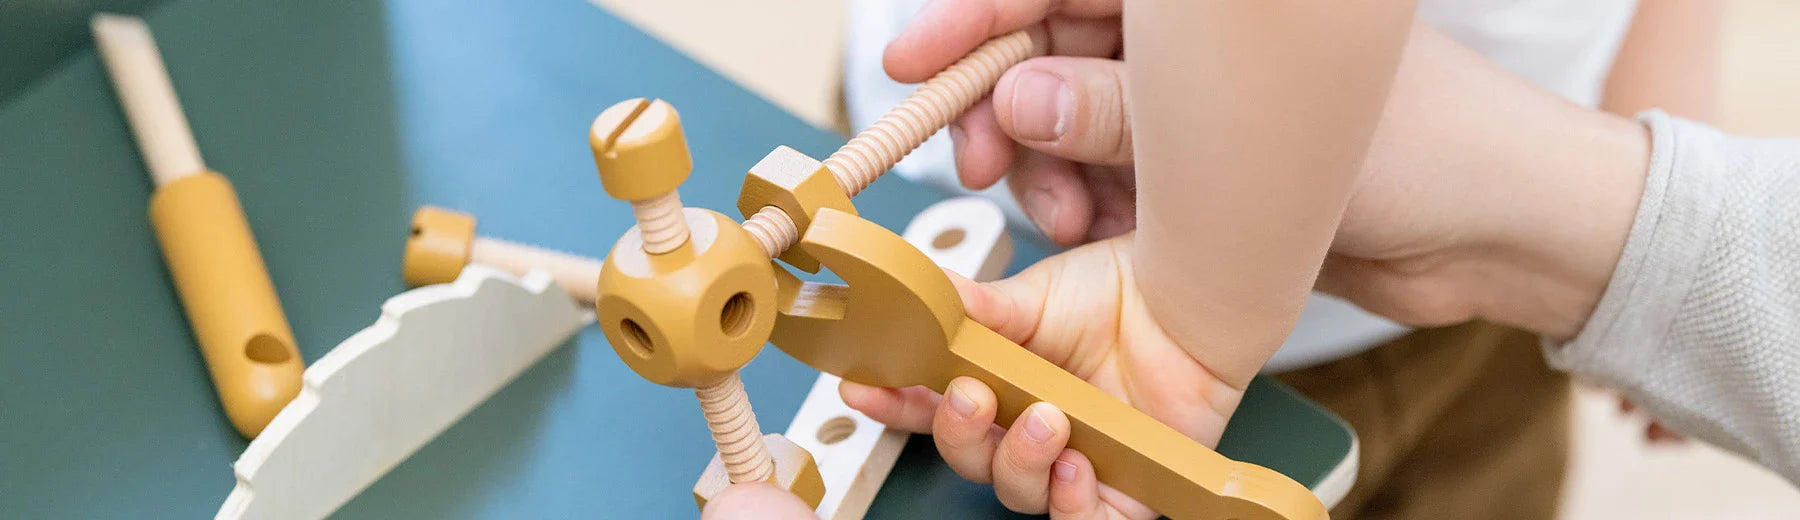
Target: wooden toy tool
<point>898,322</point>
<point>701,298</point>
<point>205,238</point>
<point>964,235</point>
<point>442,242</point>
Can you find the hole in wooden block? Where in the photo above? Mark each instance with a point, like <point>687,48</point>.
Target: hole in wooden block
<point>263,348</point>
<point>736,316</point>
<point>637,338</point>
<point>836,430</point>
<point>948,238</point>
<point>416,231</point>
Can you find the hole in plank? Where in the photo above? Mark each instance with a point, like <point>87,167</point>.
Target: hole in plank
<point>836,430</point>
<point>948,238</point>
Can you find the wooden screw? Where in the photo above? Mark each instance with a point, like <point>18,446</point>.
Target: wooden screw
<point>642,157</point>
<point>442,242</point>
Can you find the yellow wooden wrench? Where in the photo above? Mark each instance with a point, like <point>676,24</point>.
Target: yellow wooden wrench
<point>899,322</point>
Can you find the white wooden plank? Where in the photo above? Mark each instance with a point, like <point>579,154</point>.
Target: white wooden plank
<point>435,353</point>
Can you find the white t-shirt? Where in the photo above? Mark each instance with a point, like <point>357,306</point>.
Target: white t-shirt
<point>1566,46</point>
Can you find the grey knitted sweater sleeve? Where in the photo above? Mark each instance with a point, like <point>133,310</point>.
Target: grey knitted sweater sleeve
<point>1700,323</point>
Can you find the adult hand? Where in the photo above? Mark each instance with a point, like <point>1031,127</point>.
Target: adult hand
<point>1046,123</point>
<point>1460,211</point>
<point>1458,214</point>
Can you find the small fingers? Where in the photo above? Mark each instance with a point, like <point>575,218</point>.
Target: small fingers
<point>908,409</point>
<point>1011,307</point>
<point>1022,465</point>
<point>964,429</point>
<point>1074,492</point>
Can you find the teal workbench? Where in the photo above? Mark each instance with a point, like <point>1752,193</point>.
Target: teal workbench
<point>335,120</point>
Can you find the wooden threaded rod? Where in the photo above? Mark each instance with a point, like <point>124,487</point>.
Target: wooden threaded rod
<point>773,229</point>
<point>725,404</point>
<point>576,274</point>
<point>734,430</point>
<point>936,102</point>
<point>661,223</point>
<point>939,100</point>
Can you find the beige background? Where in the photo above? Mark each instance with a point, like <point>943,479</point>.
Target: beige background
<point>789,53</point>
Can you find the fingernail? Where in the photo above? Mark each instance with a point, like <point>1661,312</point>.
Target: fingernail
<point>960,402</point>
<point>1035,426</point>
<point>1041,106</point>
<point>1042,208</point>
<point>1063,471</point>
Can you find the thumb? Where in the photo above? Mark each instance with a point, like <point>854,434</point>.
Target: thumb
<point>1072,108</point>
<point>756,501</point>
<point>1010,307</point>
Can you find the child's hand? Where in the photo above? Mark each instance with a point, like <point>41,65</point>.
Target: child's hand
<point>1081,310</point>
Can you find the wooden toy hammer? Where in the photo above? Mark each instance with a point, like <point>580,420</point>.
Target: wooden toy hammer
<point>205,238</point>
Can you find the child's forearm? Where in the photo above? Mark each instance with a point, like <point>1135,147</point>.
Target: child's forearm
<point>1263,113</point>
<point>1668,60</point>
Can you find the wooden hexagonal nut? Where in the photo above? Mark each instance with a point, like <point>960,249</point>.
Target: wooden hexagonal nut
<point>797,184</point>
<point>795,471</point>
<point>690,317</point>
<point>640,150</point>
<point>439,246</point>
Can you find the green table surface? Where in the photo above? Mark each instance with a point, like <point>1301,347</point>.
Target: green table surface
<point>335,120</point>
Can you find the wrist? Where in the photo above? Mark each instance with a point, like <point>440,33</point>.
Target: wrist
<point>1583,179</point>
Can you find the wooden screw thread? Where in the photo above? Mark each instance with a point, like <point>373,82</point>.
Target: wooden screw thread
<point>661,223</point>
<point>773,229</point>
<point>878,148</point>
<point>734,430</point>
<point>931,107</point>
<point>576,274</point>
<point>726,405</point>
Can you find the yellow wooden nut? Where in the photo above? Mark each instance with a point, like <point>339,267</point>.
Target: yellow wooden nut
<point>692,316</point>
<point>639,149</point>
<point>797,184</point>
<point>795,471</point>
<point>439,246</point>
